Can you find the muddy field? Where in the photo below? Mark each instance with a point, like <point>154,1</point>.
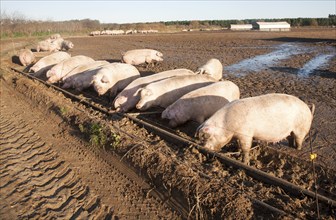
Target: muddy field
<point>162,179</point>
<point>281,68</point>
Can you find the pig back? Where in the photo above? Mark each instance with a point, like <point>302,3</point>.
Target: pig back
<point>128,97</point>
<point>169,90</point>
<point>83,67</point>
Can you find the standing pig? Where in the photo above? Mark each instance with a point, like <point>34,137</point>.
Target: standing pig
<point>60,70</point>
<point>167,91</point>
<point>47,62</point>
<point>129,97</point>
<point>141,56</point>
<point>114,77</point>
<point>26,57</point>
<point>213,68</point>
<point>270,118</point>
<point>201,103</point>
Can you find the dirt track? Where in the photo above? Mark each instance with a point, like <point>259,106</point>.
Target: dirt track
<point>174,166</point>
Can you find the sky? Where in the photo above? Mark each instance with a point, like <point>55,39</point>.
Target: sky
<point>155,11</point>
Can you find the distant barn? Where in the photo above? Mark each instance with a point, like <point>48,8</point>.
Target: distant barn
<point>271,26</point>
<point>241,27</point>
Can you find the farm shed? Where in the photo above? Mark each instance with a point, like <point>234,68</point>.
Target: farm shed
<point>241,27</point>
<point>271,26</point>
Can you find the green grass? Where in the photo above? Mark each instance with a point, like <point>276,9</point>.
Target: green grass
<point>97,135</point>
<point>116,140</point>
<point>63,110</point>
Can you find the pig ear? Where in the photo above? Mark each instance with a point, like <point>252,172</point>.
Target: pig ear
<point>159,54</point>
<point>105,79</point>
<point>207,129</point>
<point>138,92</point>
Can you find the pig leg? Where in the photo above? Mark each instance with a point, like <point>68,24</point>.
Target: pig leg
<point>291,139</point>
<point>299,140</point>
<point>245,144</point>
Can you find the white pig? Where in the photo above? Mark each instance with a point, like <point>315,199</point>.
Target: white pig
<point>46,46</point>
<point>26,57</point>
<point>61,69</point>
<point>129,97</point>
<point>83,67</point>
<point>167,91</point>
<point>81,81</point>
<point>270,118</point>
<point>201,103</point>
<point>67,45</point>
<point>55,36</point>
<point>47,62</point>
<point>142,56</point>
<point>114,77</point>
<point>213,68</point>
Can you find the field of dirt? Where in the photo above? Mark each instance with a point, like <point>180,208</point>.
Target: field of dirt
<point>193,50</point>
<point>61,175</point>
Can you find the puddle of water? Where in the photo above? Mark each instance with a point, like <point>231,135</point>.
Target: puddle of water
<point>313,64</point>
<point>265,61</point>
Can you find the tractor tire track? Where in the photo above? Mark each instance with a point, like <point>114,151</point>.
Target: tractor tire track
<point>35,182</point>
<point>47,174</point>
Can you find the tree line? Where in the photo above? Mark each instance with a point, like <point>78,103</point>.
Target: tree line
<point>17,25</point>
<point>294,22</point>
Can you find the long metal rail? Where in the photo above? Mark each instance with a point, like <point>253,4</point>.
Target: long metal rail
<point>251,171</point>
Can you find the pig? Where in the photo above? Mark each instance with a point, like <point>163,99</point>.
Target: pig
<point>114,77</point>
<point>67,45</point>
<point>167,91</point>
<point>270,117</point>
<point>213,68</point>
<point>142,56</point>
<point>81,81</point>
<point>61,69</point>
<point>58,42</point>
<point>129,97</point>
<point>83,67</point>
<point>26,57</point>
<point>46,46</point>
<point>201,103</point>
<point>45,63</point>
<point>55,36</point>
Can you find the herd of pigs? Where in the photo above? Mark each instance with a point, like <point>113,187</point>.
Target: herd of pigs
<point>202,96</point>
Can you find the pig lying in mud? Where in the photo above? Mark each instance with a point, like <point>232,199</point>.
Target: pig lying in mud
<point>47,46</point>
<point>114,77</point>
<point>270,118</point>
<point>83,67</point>
<point>26,57</point>
<point>45,63</point>
<point>62,44</point>
<point>129,97</point>
<point>61,69</point>
<point>213,68</point>
<point>167,91</point>
<point>201,103</point>
<point>142,56</point>
<point>81,81</point>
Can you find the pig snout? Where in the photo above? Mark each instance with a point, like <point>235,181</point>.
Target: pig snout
<point>139,106</point>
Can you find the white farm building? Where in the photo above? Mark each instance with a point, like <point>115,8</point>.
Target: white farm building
<point>271,26</point>
<point>241,27</point>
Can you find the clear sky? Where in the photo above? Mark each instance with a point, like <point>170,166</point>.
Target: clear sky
<point>154,11</point>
